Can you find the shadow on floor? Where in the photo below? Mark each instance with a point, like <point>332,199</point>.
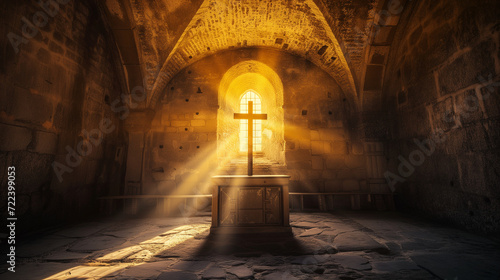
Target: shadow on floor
<point>254,245</point>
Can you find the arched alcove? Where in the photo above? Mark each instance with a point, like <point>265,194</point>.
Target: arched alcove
<point>257,77</point>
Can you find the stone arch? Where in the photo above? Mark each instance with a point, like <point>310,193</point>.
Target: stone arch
<point>256,76</point>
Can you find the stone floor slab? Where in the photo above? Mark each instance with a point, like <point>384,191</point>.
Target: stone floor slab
<point>65,256</point>
<point>311,232</point>
<point>214,273</point>
<point>43,246</point>
<point>418,251</point>
<point>191,265</point>
<point>452,266</point>
<point>393,266</point>
<point>177,275</point>
<point>242,272</point>
<point>352,261</point>
<point>357,241</point>
<point>96,243</point>
<point>147,270</point>
<point>83,230</point>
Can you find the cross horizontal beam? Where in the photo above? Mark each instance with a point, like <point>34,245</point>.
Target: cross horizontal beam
<point>239,116</point>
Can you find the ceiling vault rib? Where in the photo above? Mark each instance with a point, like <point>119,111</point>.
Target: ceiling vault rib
<point>298,28</point>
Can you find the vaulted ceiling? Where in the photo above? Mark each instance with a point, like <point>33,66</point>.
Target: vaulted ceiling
<point>158,38</point>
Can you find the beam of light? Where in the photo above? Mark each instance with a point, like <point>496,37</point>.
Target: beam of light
<point>99,269</point>
<point>202,167</point>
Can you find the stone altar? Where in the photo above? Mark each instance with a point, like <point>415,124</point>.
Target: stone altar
<point>250,204</point>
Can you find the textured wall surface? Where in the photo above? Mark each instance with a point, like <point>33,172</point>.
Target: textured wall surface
<point>320,154</point>
<point>404,90</point>
<point>58,83</point>
<point>442,87</point>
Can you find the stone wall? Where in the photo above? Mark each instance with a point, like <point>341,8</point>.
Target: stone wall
<point>58,79</point>
<point>320,152</point>
<point>442,89</point>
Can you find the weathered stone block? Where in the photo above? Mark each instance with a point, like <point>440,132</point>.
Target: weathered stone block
<point>318,147</point>
<point>352,161</point>
<point>46,143</point>
<point>317,162</point>
<point>333,186</point>
<point>436,49</point>
<point>424,90</point>
<point>468,69</point>
<point>314,135</point>
<point>13,138</point>
<point>333,134</point>
<point>443,115</point>
<point>468,107</point>
<point>339,147</point>
<point>329,174</point>
<point>357,148</point>
<point>350,185</point>
<point>180,123</point>
<point>212,136</point>
<point>300,165</point>
<point>298,155</point>
<point>335,163</point>
<point>305,144</point>
<point>352,173</point>
<point>30,107</point>
<point>490,94</point>
<point>466,30</point>
<point>472,179</point>
<point>197,122</point>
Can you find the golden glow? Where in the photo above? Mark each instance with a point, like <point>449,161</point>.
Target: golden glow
<point>261,80</point>
<point>101,269</point>
<point>257,124</point>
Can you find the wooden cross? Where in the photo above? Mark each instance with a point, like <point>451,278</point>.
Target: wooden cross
<point>250,117</point>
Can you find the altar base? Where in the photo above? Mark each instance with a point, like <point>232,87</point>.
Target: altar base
<point>250,204</point>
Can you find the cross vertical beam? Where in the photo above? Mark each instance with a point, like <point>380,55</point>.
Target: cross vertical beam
<point>250,117</point>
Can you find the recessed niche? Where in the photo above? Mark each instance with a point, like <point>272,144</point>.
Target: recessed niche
<point>187,100</point>
<point>199,90</point>
<point>186,129</point>
<point>161,146</point>
<point>158,170</point>
<point>172,88</point>
<point>330,112</point>
<point>322,50</point>
<point>197,147</point>
<point>278,41</point>
<point>180,148</point>
<point>304,112</point>
<point>208,48</point>
<point>190,56</point>
<point>197,113</point>
<point>189,71</point>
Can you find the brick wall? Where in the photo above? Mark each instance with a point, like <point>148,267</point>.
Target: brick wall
<point>320,152</point>
<point>442,86</point>
<point>55,85</point>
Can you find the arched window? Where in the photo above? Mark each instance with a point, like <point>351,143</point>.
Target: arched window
<point>251,95</point>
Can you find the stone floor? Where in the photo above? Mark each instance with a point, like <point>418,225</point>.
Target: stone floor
<point>344,245</point>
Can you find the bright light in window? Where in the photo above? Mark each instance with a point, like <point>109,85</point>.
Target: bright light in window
<point>257,124</point>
